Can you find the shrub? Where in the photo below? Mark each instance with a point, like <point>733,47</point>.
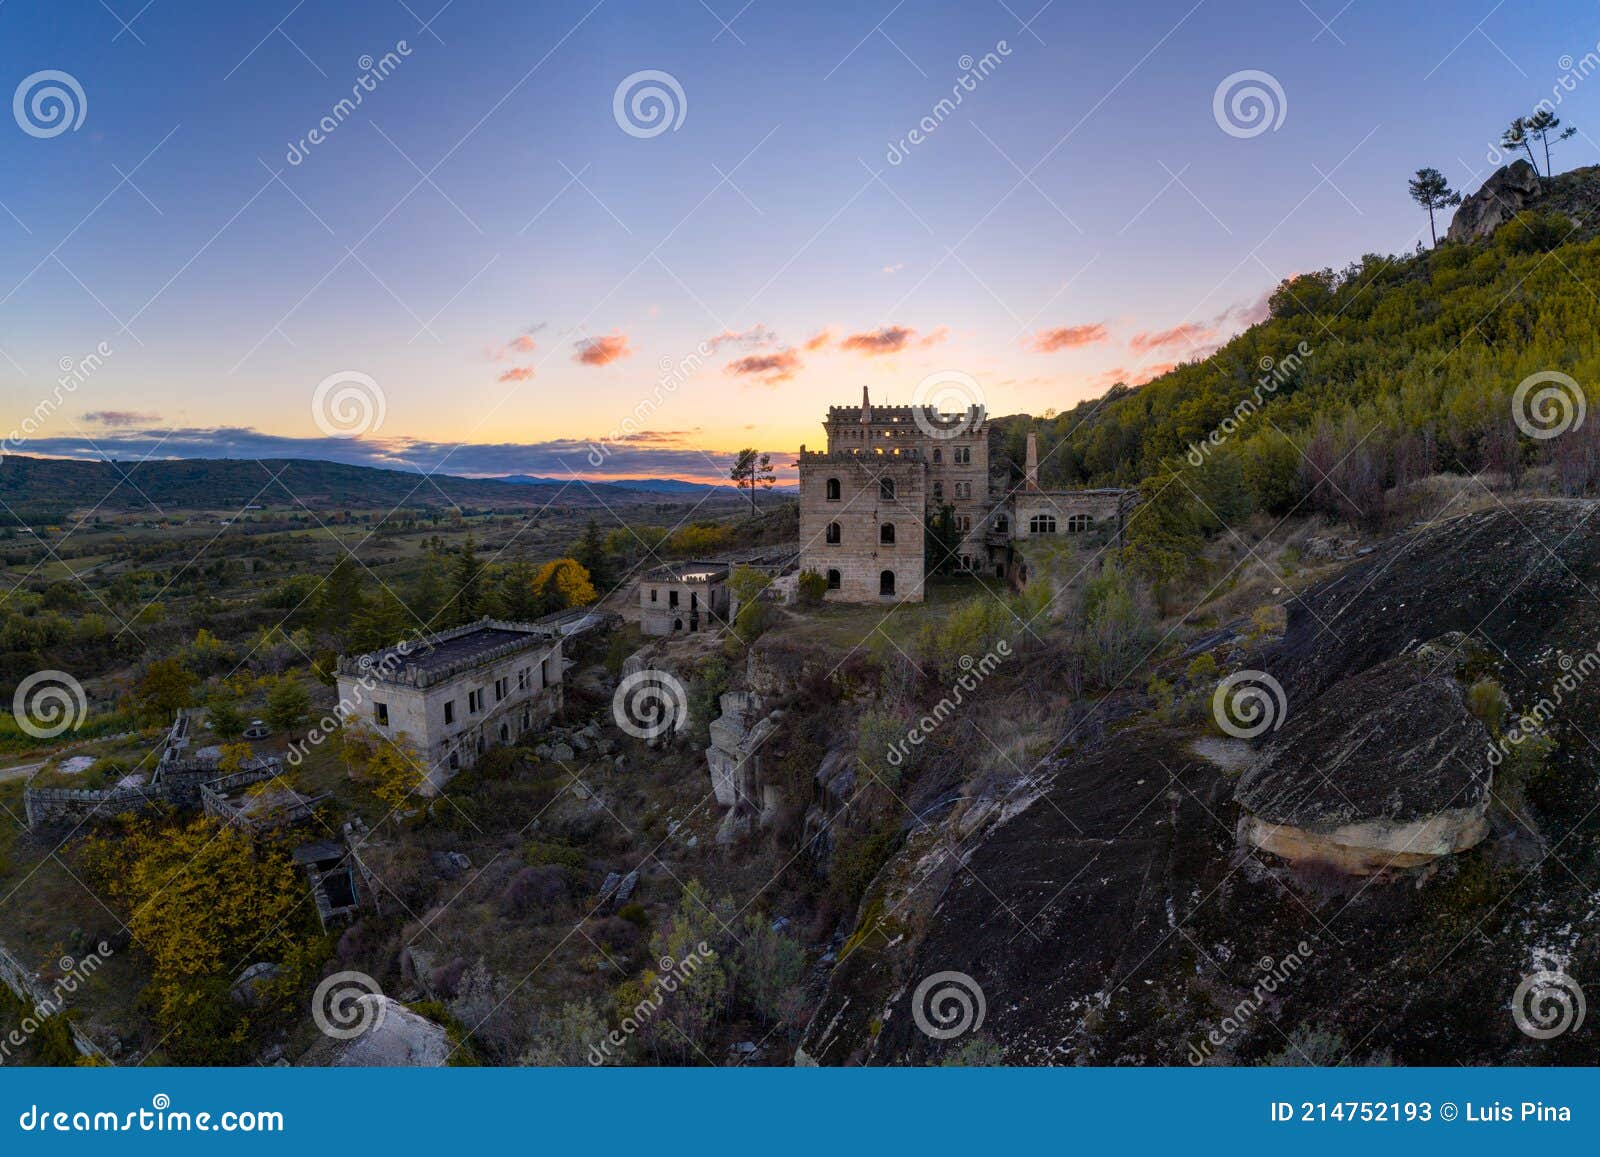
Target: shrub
<point>1487,701</point>
<point>811,587</point>
<point>545,888</point>
<point>561,855</point>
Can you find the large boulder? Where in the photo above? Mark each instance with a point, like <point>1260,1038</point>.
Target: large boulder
<point>392,1036</point>
<point>1385,770</point>
<point>1505,194</point>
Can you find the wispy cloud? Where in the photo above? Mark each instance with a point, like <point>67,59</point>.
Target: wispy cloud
<point>1066,337</point>
<point>602,351</point>
<point>890,339</point>
<point>1134,377</point>
<point>1189,335</point>
<point>769,369</point>
<point>755,337</point>
<point>517,374</point>
<point>820,339</point>
<point>119,418</point>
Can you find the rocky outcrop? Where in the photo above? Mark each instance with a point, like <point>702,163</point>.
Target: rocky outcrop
<point>1505,194</point>
<point>1107,914</point>
<point>395,1037</point>
<point>734,760</point>
<point>1385,770</point>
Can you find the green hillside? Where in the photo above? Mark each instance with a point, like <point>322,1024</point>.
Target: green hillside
<point>1362,382</point>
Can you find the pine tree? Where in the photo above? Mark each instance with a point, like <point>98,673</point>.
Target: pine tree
<point>1430,190</point>
<point>1542,126</point>
<point>466,582</point>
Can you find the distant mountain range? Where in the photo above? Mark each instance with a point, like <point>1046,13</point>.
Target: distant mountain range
<point>653,485</point>
<point>59,484</point>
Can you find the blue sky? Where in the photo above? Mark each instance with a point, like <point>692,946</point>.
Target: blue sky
<point>1081,217</point>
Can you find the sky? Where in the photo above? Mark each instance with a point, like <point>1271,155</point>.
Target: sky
<point>498,261</point>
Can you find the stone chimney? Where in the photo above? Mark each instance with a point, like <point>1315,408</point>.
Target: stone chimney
<point>866,407</point>
<point>1031,470</point>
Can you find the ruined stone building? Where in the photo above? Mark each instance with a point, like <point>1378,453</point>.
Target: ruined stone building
<point>685,596</point>
<point>887,470</point>
<point>459,692</point>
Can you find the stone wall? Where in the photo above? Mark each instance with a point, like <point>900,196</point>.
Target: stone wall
<point>860,557</point>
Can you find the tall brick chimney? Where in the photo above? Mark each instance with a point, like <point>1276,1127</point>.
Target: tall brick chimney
<point>1031,471</point>
<point>866,407</point>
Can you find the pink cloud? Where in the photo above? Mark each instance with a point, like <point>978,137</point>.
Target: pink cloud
<point>602,351</point>
<point>1066,337</point>
<point>517,374</point>
<point>820,339</point>
<point>755,337</point>
<point>1135,377</point>
<point>769,369</point>
<point>1189,335</point>
<point>890,339</point>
